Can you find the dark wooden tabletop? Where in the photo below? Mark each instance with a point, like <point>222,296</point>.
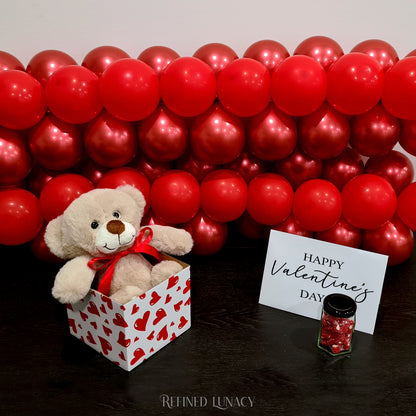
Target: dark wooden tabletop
<point>239,357</point>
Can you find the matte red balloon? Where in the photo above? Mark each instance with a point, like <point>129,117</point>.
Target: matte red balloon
<point>406,204</point>
<point>269,198</point>
<point>342,168</point>
<point>45,63</point>
<point>60,191</point>
<point>15,160</point>
<point>291,226</point>
<point>393,239</point>
<point>298,85</point>
<point>269,52</point>
<point>298,168</point>
<point>342,233</point>
<point>72,94</point>
<point>56,145</point>
<point>109,141</point>
<point>374,132</point>
<point>272,134</point>
<point>39,248</point>
<point>158,57</point>
<point>209,236</point>
<point>163,136</point>
<point>355,83</point>
<point>324,50</point>
<point>98,59</point>
<point>407,137</point>
<point>129,89</point>
<point>317,205</point>
<point>216,55</point>
<point>248,166</point>
<point>324,134</point>
<point>196,167</point>
<point>379,50</point>
<point>188,86</point>
<point>223,195</point>
<point>399,94</point>
<point>396,167</point>
<point>217,136</point>
<point>20,216</point>
<point>150,168</point>
<point>22,100</point>
<point>175,196</point>
<point>9,61</point>
<point>243,87</point>
<point>368,201</point>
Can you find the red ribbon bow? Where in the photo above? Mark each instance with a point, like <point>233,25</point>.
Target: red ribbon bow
<point>138,247</point>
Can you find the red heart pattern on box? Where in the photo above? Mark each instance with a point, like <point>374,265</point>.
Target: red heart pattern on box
<point>129,334</point>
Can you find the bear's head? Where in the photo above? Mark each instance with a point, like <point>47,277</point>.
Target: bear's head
<point>99,222</point>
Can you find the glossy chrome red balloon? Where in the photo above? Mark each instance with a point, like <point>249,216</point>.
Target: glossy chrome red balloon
<point>150,168</point>
<point>406,204</point>
<point>158,57</point>
<point>98,59</point>
<point>249,228</point>
<point>38,178</point>
<point>197,168</point>
<point>39,248</point>
<point>272,134</point>
<point>407,137</point>
<point>291,226</point>
<point>45,63</point>
<point>248,166</point>
<point>9,61</point>
<point>342,233</point>
<point>374,132</point>
<point>324,50</point>
<point>324,134</point>
<point>216,55</point>
<point>269,52</point>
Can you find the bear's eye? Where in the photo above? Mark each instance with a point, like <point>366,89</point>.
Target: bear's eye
<point>94,225</point>
<point>116,214</point>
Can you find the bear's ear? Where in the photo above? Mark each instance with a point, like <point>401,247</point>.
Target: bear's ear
<point>135,194</point>
<point>53,237</point>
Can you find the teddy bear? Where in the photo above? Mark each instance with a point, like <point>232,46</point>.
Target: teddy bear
<point>100,234</point>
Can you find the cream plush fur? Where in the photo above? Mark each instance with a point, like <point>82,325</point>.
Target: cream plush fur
<point>84,231</point>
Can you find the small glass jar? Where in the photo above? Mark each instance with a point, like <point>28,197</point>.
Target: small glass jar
<point>337,324</point>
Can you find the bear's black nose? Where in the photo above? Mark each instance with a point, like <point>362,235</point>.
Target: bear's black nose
<point>115,227</point>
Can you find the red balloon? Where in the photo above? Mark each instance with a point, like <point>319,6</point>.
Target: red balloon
<point>175,196</point>
<point>41,250</point>
<point>45,63</point>
<point>217,136</point>
<point>163,136</point>
<point>379,50</point>
<point>269,52</point>
<point>324,134</point>
<point>342,233</point>
<point>60,191</point>
<point>269,199</point>
<point>20,216</point>
<point>289,225</point>
<point>158,57</point>
<point>251,229</point>
<point>368,201</point>
<point>150,168</point>
<point>374,132</point>
<point>216,55</point>
<point>127,176</point>
<point>98,59</point>
<point>298,85</point>
<point>342,168</point>
<point>56,145</point>
<point>209,236</point>
<point>38,178</point>
<point>92,171</point>
<point>393,239</point>
<point>324,50</point>
<point>407,137</point>
<point>129,89</point>
<point>8,61</point>
<point>150,218</point>
<point>223,195</point>
<point>248,166</point>
<point>412,53</point>
<point>355,83</point>
<point>272,134</point>
<point>187,86</point>
<point>109,141</point>
<point>72,94</point>
<point>22,100</point>
<point>197,168</point>
<point>399,93</point>
<point>298,168</point>
<point>395,167</point>
<point>15,160</point>
<point>317,205</point>
<point>243,87</point>
<point>406,204</point>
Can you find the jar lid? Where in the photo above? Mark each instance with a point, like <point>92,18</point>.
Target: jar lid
<point>339,305</point>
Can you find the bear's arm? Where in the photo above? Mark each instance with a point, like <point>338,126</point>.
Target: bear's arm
<point>73,280</point>
<point>171,240</point>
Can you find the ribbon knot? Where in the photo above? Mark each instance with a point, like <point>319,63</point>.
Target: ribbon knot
<point>110,261</point>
